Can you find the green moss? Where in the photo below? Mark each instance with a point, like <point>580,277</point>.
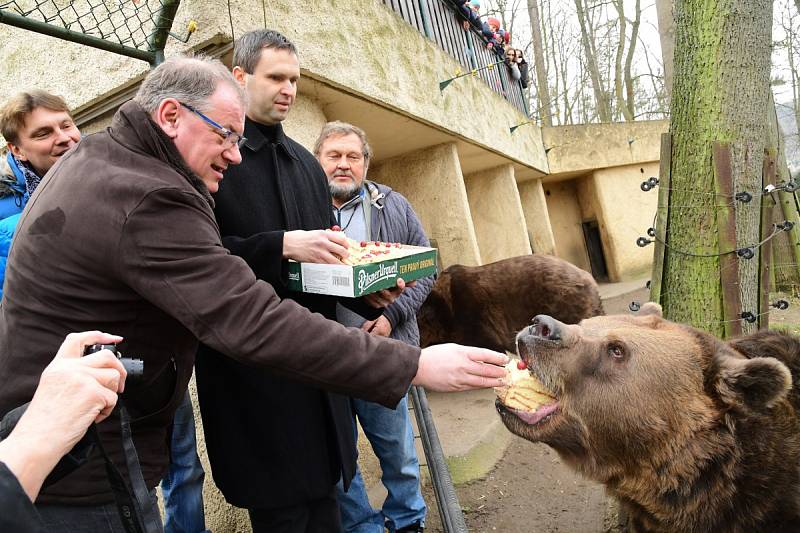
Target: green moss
<point>480,459</point>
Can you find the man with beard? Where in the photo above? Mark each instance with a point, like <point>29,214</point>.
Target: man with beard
<point>282,454</point>
<point>368,211</point>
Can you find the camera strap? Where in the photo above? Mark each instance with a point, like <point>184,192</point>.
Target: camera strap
<point>133,501</point>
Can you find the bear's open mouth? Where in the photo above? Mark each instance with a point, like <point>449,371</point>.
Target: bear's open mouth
<point>526,397</point>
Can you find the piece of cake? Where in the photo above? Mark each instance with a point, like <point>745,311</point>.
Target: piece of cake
<point>523,391</point>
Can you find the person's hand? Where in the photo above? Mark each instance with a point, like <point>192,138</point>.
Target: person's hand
<point>73,393</point>
<point>317,246</point>
<point>453,368</point>
<point>380,326</point>
<point>385,297</point>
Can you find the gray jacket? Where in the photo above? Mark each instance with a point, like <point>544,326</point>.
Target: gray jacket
<point>392,219</point>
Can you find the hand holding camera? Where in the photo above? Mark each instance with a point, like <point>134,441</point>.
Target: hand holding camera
<point>73,393</point>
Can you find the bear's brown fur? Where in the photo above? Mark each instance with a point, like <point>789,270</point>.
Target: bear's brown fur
<point>690,433</point>
<point>486,305</point>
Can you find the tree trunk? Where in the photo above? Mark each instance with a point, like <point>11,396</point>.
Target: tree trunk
<point>629,89</point>
<point>600,95</point>
<point>619,83</point>
<point>666,30</point>
<point>793,73</point>
<point>720,94</point>
<point>542,90</point>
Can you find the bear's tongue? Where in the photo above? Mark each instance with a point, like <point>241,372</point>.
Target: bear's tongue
<point>534,417</point>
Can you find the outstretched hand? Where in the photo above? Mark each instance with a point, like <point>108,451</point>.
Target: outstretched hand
<point>453,368</point>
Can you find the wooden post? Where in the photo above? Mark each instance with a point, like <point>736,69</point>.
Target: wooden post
<point>726,224</point>
<point>662,215</point>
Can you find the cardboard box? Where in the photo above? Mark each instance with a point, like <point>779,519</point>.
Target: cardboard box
<point>358,280</point>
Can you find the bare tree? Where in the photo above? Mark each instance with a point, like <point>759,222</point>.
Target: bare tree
<point>601,99</point>
<point>627,72</point>
<point>542,90</point>
<point>593,50</point>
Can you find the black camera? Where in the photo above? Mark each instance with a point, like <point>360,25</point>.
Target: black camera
<point>134,367</point>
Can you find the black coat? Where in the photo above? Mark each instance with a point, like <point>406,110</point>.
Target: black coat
<point>272,442</point>
<point>16,510</point>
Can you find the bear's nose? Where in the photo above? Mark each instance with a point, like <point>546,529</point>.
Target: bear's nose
<point>546,327</point>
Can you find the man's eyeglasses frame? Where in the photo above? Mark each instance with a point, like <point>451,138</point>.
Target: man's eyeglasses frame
<point>227,135</point>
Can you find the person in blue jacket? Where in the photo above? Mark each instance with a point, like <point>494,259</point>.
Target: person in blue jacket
<point>38,130</point>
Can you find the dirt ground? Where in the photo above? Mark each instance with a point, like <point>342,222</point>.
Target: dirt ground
<point>531,491</point>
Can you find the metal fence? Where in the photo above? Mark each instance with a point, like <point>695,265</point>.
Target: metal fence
<point>443,489</point>
<point>134,28</point>
<point>438,21</point>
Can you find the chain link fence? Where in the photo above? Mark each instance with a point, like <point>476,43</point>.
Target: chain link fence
<point>134,28</point>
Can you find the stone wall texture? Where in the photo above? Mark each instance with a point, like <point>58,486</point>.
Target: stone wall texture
<point>497,214</point>
<point>432,181</point>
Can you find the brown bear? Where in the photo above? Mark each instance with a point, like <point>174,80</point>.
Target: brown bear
<point>486,305</point>
<point>689,433</point>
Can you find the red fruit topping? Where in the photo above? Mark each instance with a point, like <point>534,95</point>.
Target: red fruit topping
<point>521,365</point>
<point>336,228</point>
<point>363,244</point>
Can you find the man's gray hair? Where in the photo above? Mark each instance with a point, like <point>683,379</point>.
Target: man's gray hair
<point>248,47</point>
<point>337,128</point>
<point>188,79</point>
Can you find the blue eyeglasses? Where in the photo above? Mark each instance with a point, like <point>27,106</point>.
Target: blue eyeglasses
<point>229,137</point>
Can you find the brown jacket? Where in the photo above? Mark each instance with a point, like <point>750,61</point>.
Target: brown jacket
<point>120,237</point>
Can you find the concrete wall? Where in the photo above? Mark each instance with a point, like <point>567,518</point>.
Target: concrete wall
<point>586,147</point>
<point>431,180</point>
<point>497,214</point>
<point>566,218</point>
<point>360,46</point>
<point>537,217</point>
<point>305,121</point>
<point>625,212</point>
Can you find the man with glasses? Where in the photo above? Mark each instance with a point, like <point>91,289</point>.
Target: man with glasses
<point>182,487</point>
<point>121,237</point>
<point>273,207</point>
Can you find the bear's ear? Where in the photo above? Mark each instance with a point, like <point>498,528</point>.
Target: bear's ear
<point>754,384</point>
<point>650,308</point>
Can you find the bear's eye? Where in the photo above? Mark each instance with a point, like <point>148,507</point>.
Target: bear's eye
<point>616,351</point>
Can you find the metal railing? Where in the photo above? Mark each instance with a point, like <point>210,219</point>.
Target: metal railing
<point>437,20</point>
<point>446,497</point>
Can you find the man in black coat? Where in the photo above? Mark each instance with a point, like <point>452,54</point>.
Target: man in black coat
<point>276,447</point>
